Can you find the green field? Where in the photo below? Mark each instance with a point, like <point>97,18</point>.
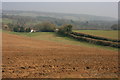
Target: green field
<point>6,20</point>
<point>0,30</point>
<point>0,20</point>
<point>112,34</point>
<point>51,36</point>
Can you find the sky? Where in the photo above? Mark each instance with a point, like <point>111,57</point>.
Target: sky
<point>60,0</point>
<point>109,9</point>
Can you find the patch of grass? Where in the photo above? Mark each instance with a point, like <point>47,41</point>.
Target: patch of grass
<point>112,34</point>
<point>51,36</point>
<point>6,20</point>
<point>0,20</point>
<point>25,34</point>
<point>0,30</point>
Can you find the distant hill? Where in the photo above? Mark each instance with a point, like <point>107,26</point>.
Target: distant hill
<point>78,17</point>
<point>79,21</point>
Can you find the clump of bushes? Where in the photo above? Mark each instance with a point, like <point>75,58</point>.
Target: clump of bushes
<point>45,27</point>
<point>42,27</point>
<point>65,29</point>
<point>28,29</point>
<point>19,28</point>
<point>115,27</point>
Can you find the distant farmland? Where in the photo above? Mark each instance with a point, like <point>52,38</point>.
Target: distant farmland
<point>113,34</point>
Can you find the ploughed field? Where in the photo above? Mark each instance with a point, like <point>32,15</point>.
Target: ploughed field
<point>27,57</point>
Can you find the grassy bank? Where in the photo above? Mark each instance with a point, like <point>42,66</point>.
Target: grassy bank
<point>51,36</point>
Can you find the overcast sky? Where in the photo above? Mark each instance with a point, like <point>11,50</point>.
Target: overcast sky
<point>109,9</point>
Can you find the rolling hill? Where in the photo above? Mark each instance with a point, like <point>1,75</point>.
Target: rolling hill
<point>79,21</point>
<point>76,17</point>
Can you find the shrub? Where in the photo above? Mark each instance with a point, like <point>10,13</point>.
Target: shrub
<point>65,29</point>
<point>27,30</point>
<point>22,29</point>
<point>45,27</point>
<point>16,29</point>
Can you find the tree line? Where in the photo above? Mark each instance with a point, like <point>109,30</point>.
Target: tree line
<point>85,25</point>
<point>42,27</point>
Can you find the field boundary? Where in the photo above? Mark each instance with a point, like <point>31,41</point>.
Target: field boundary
<point>95,39</point>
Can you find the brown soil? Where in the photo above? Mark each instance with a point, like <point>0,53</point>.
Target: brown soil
<point>29,58</point>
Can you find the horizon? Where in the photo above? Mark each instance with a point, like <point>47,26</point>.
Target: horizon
<point>63,13</point>
<point>94,8</point>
